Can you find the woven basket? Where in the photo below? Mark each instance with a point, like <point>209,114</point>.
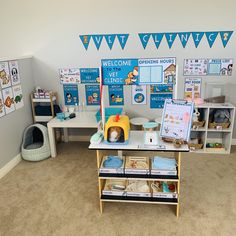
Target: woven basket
<point>198,123</point>
<point>195,146</point>
<point>214,125</point>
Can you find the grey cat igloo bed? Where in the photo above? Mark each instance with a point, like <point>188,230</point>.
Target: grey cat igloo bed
<point>35,145</point>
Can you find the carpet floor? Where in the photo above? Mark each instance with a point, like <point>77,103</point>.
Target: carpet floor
<point>60,197</point>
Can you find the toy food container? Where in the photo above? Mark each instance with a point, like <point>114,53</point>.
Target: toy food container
<point>117,129</point>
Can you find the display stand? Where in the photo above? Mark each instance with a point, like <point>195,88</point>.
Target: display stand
<point>136,144</point>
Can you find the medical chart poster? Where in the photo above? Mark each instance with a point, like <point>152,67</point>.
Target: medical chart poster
<point>157,70</point>
<point>89,75</point>
<point>116,95</point>
<point>120,71</point>
<point>71,94</point>
<point>92,95</point>
<point>192,88</point>
<point>5,80</point>
<point>14,72</point>
<point>176,119</point>
<point>158,100</point>
<point>2,109</point>
<point>18,96</point>
<point>222,67</point>
<point>8,100</point>
<point>139,94</point>
<point>195,67</point>
<point>161,88</point>
<point>69,75</point>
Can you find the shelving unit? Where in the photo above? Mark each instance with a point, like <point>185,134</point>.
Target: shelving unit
<point>207,134</point>
<point>51,100</point>
<point>136,144</point>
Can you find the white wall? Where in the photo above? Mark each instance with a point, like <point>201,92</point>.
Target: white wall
<point>50,31</point>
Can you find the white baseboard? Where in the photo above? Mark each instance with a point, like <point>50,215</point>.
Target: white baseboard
<point>10,165</point>
<point>80,138</point>
<point>233,141</point>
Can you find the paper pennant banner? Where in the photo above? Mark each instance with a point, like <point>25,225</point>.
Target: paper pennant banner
<point>157,39</point>
<point>144,38</point>
<point>85,40</point>
<point>170,38</point>
<point>197,37</point>
<point>225,36</point>
<point>110,38</point>
<point>211,37</point>
<point>122,39</point>
<point>183,37</point>
<point>97,39</point>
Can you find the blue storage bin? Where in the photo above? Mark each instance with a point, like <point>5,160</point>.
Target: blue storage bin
<point>109,111</point>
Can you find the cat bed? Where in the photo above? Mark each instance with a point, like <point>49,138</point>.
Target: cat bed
<point>35,145</point>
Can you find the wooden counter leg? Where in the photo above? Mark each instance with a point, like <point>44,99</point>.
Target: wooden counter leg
<point>177,210</point>
<point>52,142</point>
<point>100,194</point>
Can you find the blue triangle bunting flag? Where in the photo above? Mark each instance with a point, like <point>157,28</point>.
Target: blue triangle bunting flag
<point>225,36</point>
<point>85,40</point>
<point>197,37</point>
<point>122,39</point>
<point>211,37</point>
<point>157,39</point>
<point>144,38</point>
<point>97,39</point>
<point>170,38</point>
<point>110,38</point>
<point>183,37</point>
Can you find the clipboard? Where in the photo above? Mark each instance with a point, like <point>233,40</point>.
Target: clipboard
<point>176,119</point>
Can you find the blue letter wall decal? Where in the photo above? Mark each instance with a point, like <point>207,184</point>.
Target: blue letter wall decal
<point>122,39</point>
<point>211,37</point>
<point>225,36</point>
<point>144,38</point>
<point>170,38</point>
<point>97,39</point>
<point>110,38</point>
<point>85,40</point>
<point>157,39</point>
<point>183,37</point>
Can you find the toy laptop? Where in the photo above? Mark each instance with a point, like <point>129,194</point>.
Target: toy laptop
<point>117,130</point>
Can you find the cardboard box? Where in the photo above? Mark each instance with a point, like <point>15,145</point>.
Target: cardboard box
<point>159,193</point>
<point>135,192</point>
<point>137,165</point>
<point>115,187</point>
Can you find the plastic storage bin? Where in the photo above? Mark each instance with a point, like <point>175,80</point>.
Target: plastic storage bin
<point>109,111</point>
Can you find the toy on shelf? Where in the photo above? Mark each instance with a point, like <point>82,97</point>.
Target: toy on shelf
<point>150,135</point>
<point>117,129</point>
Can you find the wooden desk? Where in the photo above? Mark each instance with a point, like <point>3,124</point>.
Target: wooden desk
<point>84,119</point>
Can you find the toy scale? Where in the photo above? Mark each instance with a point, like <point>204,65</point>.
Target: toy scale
<point>150,135</point>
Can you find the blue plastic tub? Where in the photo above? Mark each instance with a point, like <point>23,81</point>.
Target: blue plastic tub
<point>109,111</point>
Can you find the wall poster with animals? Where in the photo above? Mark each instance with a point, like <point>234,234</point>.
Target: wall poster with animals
<point>69,75</point>
<point>14,72</point>
<point>4,75</point>
<point>18,96</point>
<point>92,95</point>
<point>89,75</point>
<point>8,100</point>
<point>71,94</point>
<point>116,95</point>
<point>2,108</point>
<point>139,94</point>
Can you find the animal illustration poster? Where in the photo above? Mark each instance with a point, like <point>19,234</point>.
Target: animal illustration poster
<point>18,96</point>
<point>139,94</point>
<point>89,75</point>
<point>8,100</point>
<point>195,66</point>
<point>176,119</point>
<point>116,95</point>
<point>161,88</point>
<point>71,94</point>
<point>92,95</point>
<point>69,75</point>
<point>2,109</point>
<point>192,88</point>
<point>222,67</point>
<point>157,70</point>
<point>14,72</point>
<point>157,100</point>
<point>4,75</point>
<point>120,71</point>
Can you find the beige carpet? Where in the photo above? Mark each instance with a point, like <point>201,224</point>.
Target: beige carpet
<point>60,197</point>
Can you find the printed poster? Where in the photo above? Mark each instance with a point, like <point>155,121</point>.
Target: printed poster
<point>116,95</point>
<point>222,67</point>
<point>157,71</point>
<point>69,75</point>
<point>192,88</point>
<point>8,100</point>
<point>92,95</point>
<point>4,75</point>
<point>14,72</point>
<point>18,96</point>
<point>2,109</point>
<point>120,71</point>
<point>161,88</point>
<point>195,66</point>
<point>71,94</point>
<point>89,75</point>
<point>157,100</point>
<point>139,94</point>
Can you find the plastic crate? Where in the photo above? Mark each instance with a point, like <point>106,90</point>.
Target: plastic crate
<point>110,111</point>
